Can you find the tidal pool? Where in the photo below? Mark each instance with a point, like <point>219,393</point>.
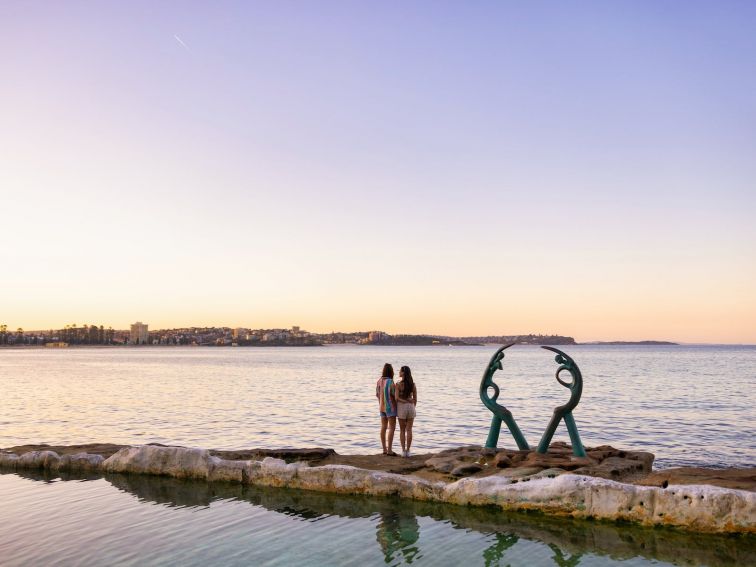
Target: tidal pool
<point>143,520</point>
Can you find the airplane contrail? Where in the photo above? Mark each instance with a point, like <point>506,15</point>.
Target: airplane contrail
<point>185,46</point>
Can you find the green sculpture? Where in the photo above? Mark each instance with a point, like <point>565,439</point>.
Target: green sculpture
<point>501,413</point>
<point>565,412</point>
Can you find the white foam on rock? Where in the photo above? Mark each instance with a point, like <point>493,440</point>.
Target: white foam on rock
<point>697,508</point>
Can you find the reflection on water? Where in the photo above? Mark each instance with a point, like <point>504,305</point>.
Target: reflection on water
<point>494,554</point>
<point>398,532</point>
<point>328,529</point>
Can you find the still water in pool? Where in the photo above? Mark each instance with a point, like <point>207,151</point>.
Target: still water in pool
<point>142,520</point>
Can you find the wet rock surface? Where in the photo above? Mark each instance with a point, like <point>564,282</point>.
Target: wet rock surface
<point>602,462</point>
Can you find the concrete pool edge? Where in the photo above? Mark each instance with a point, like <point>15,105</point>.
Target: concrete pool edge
<point>697,508</point>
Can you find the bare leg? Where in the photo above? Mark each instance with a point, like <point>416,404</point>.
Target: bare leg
<point>402,426</point>
<point>391,428</point>
<point>384,423</point>
<point>410,421</point>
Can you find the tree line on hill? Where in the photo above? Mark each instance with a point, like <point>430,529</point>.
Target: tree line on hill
<point>71,334</point>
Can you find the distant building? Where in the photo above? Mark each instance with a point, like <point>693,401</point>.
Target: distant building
<point>376,336</point>
<point>139,334</point>
<point>239,332</point>
<point>58,344</point>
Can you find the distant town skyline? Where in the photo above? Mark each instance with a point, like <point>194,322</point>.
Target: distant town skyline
<point>452,168</point>
<point>138,332</point>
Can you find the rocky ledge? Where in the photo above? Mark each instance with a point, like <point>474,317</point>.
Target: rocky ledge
<point>556,483</point>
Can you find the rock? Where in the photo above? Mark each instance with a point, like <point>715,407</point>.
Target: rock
<point>526,474</point>
<point>560,448</point>
<point>564,460</point>
<point>178,462</point>
<point>313,454</point>
<point>741,479</point>
<point>8,460</point>
<point>502,461</point>
<point>466,469</point>
<point>519,473</point>
<point>518,456</point>
<point>602,452</point>
<point>465,449</point>
<point>547,473</point>
<point>617,468</point>
<point>80,462</point>
<point>38,460</point>
<point>104,449</point>
<point>227,471</point>
<point>341,479</point>
<point>642,456</point>
<point>442,464</point>
<point>700,508</point>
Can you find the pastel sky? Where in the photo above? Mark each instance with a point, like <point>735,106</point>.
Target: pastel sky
<point>581,168</point>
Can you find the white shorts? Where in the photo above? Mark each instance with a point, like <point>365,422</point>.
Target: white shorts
<point>405,411</point>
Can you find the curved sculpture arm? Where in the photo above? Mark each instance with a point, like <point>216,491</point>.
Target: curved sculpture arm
<point>487,381</point>
<point>500,413</point>
<point>566,364</point>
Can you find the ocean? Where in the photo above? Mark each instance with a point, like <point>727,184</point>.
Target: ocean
<point>689,405</point>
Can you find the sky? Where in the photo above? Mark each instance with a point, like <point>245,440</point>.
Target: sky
<point>461,168</point>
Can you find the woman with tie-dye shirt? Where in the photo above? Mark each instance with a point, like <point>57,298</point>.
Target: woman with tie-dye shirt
<point>385,391</point>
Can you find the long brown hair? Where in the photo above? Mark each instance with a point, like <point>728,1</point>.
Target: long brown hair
<point>408,384</point>
<point>388,371</point>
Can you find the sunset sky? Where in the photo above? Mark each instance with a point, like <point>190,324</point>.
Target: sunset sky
<point>463,168</point>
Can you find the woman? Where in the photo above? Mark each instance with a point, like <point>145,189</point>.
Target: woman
<point>385,391</point>
<point>406,397</point>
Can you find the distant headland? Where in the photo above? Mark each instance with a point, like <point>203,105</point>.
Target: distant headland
<point>632,343</point>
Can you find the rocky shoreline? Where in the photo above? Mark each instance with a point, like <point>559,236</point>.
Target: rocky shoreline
<point>608,484</point>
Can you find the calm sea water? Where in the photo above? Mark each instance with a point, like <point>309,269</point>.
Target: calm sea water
<point>689,405</point>
<point>140,520</point>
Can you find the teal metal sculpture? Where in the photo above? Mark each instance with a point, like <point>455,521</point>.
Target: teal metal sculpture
<point>501,413</point>
<point>566,364</point>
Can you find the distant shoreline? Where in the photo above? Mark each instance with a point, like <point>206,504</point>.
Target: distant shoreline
<point>599,344</point>
<point>630,343</point>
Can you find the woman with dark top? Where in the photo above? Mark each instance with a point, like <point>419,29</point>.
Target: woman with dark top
<point>406,397</point>
<point>385,391</point>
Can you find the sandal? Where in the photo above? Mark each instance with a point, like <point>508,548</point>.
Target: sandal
<point>391,454</point>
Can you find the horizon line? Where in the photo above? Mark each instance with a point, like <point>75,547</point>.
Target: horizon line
<point>585,341</point>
